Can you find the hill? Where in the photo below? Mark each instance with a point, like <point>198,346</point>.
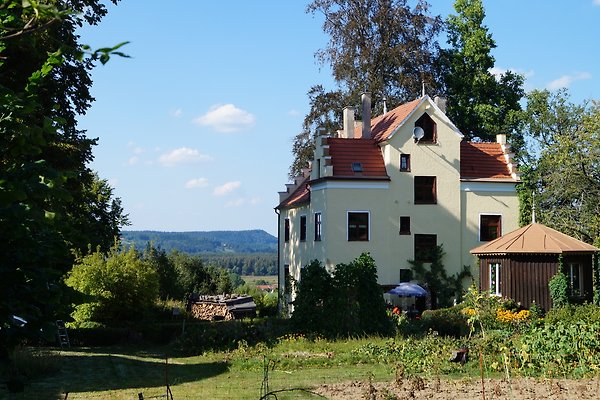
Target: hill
<point>251,241</point>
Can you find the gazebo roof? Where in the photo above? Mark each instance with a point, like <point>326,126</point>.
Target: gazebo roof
<point>534,238</point>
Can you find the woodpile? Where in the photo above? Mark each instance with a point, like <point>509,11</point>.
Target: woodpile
<point>223,307</point>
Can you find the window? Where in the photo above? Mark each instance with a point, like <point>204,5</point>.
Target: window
<point>425,190</point>
<point>286,230</point>
<point>429,127</point>
<point>317,227</point>
<point>490,227</point>
<point>405,162</point>
<point>575,282</point>
<point>302,228</point>
<point>424,247</point>
<point>495,279</point>
<point>405,275</point>
<point>357,167</point>
<point>358,226</point>
<point>405,225</point>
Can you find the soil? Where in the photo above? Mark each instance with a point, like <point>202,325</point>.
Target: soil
<point>465,389</point>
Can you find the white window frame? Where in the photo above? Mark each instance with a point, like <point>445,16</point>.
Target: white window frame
<point>497,270</point>
<point>348,212</point>
<point>320,226</point>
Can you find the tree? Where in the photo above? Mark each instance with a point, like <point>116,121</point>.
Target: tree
<point>345,303</point>
<point>44,85</point>
<point>384,47</point>
<point>564,165</point>
<point>120,286</point>
<point>479,104</point>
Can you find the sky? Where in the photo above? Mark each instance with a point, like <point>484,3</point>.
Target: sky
<point>195,130</point>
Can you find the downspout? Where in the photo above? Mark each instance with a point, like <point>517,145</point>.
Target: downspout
<point>278,260</point>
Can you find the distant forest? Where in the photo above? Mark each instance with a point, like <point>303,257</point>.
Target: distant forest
<point>252,252</point>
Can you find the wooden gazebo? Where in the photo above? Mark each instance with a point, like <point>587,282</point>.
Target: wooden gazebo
<point>519,265</point>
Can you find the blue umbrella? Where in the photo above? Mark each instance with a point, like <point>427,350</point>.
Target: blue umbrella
<point>407,289</point>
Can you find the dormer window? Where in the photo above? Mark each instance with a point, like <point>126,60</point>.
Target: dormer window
<point>429,127</point>
<point>357,167</point>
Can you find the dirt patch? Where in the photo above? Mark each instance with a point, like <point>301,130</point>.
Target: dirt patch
<point>465,389</point>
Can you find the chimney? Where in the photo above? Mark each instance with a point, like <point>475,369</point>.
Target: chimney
<point>440,102</point>
<point>501,138</point>
<point>348,122</point>
<point>366,115</point>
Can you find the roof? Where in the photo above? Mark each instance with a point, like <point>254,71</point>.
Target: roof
<point>345,152</point>
<point>483,161</point>
<point>534,238</point>
<point>299,196</point>
<point>384,125</point>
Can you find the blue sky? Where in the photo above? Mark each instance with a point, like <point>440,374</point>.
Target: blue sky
<point>195,130</point>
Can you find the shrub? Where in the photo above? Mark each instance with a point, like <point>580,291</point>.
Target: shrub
<point>571,314</point>
<point>445,321</point>
<point>559,289</point>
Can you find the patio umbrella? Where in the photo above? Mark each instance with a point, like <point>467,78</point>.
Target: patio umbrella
<point>407,289</point>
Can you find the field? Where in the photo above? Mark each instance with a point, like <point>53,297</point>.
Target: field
<point>293,368</point>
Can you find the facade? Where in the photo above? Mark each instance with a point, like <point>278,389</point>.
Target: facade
<point>396,187</point>
<point>520,264</point>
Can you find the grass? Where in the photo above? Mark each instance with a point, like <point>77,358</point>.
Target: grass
<point>294,362</point>
<point>270,279</point>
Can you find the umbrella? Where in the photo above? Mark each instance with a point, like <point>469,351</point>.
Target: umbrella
<point>407,289</point>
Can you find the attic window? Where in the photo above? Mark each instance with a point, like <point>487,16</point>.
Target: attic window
<point>357,167</point>
<point>429,128</point>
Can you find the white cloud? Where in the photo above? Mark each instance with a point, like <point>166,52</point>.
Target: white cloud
<point>226,188</point>
<point>182,155</point>
<point>566,80</point>
<point>178,112</point>
<point>196,183</point>
<point>133,160</point>
<point>293,113</point>
<point>226,118</point>
<point>138,150</point>
<point>597,2</point>
<point>499,71</point>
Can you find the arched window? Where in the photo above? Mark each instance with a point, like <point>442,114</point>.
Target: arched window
<point>429,127</point>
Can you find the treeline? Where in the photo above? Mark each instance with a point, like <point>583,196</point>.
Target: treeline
<point>251,241</point>
<point>259,264</point>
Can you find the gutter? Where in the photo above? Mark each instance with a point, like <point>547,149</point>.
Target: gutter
<point>278,259</point>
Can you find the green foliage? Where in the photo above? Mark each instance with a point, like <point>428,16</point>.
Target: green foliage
<point>386,47</point>
<point>480,105</point>
<point>195,277</point>
<point>445,321</point>
<point>266,303</point>
<point>559,290</point>
<point>348,302</point>
<point>571,314</point>
<point>561,348</point>
<point>50,201</point>
<point>443,288</point>
<point>563,158</point>
<point>228,242</point>
<point>120,286</point>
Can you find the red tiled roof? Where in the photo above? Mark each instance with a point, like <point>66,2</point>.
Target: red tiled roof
<point>344,152</point>
<point>534,238</point>
<point>300,196</point>
<point>383,125</point>
<point>483,160</point>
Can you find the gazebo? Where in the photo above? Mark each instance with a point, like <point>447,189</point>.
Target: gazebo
<point>520,264</point>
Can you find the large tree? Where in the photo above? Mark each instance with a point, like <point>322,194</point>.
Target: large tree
<point>479,103</point>
<point>385,47</point>
<point>50,201</point>
<point>562,176</point>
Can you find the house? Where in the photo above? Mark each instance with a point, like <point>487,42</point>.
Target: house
<point>519,265</point>
<point>396,186</point>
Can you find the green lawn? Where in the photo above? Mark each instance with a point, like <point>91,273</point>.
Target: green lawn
<point>122,373</point>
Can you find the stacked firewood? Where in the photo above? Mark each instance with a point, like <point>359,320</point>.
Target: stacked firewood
<point>211,311</point>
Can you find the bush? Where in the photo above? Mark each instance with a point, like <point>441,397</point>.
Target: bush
<point>559,288</point>
<point>445,321</point>
<point>572,314</point>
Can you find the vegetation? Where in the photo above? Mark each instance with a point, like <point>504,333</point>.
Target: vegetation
<point>387,48</point>
<point>480,104</point>
<point>228,242</point>
<point>50,200</point>
<point>347,302</point>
